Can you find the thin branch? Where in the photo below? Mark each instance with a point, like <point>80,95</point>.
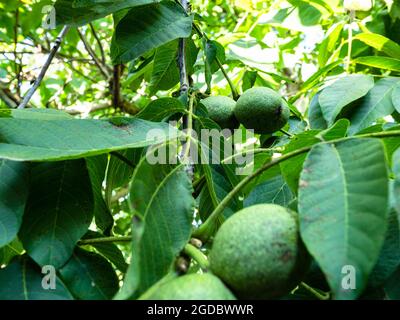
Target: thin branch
<point>286,133</point>
<point>7,99</point>
<point>80,72</point>
<point>235,94</point>
<point>17,52</point>
<point>105,240</point>
<point>186,148</point>
<point>184,82</point>
<point>46,66</point>
<point>123,159</point>
<point>96,60</point>
<point>184,89</point>
<point>103,56</point>
<point>314,292</point>
<point>204,231</point>
<point>116,86</point>
<point>201,34</point>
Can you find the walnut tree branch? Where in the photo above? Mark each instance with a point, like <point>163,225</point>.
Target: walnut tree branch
<point>184,81</point>
<point>46,66</point>
<point>98,63</point>
<point>116,86</point>
<point>103,56</point>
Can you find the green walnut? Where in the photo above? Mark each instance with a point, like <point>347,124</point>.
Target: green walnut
<point>258,252</point>
<point>262,109</point>
<point>193,287</point>
<point>220,109</point>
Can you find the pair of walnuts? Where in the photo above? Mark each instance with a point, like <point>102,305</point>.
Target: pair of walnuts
<point>260,109</point>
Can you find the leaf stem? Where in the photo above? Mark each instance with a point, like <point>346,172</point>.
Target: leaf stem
<point>184,81</point>
<point>123,159</point>
<point>314,292</point>
<point>204,232</point>
<point>286,133</point>
<point>189,127</point>
<point>105,240</point>
<point>251,151</point>
<point>235,94</point>
<point>201,34</point>
<point>198,256</point>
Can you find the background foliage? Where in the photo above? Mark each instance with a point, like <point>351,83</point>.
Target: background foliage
<point>117,70</point>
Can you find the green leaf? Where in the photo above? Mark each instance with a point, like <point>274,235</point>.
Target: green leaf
<point>328,45</point>
<point>335,225</point>
<point>274,190</point>
<point>212,50</point>
<point>133,274</point>
<point>315,116</point>
<point>14,185</point>
<point>22,280</point>
<point>148,27</point>
<point>165,70</point>
<point>58,212</point>
<point>119,173</point>
<point>10,250</point>
<point>338,130</point>
<point>216,188</point>
<point>165,73</point>
<point>392,287</point>
<point>77,13</point>
<point>249,79</point>
<point>376,104</point>
<point>162,196</point>
<point>380,43</point>
<point>34,113</point>
<point>380,62</point>
<point>108,250</point>
<point>41,140</point>
<point>292,167</point>
<point>314,80</point>
<point>97,170</point>
<point>389,258</point>
<point>161,109</point>
<point>343,92</point>
<point>396,184</point>
<point>396,97</point>
<point>89,276</point>
<point>308,14</point>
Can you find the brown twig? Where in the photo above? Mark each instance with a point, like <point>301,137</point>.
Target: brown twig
<point>46,66</point>
<point>103,56</point>
<point>7,99</point>
<point>116,86</point>
<point>96,60</point>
